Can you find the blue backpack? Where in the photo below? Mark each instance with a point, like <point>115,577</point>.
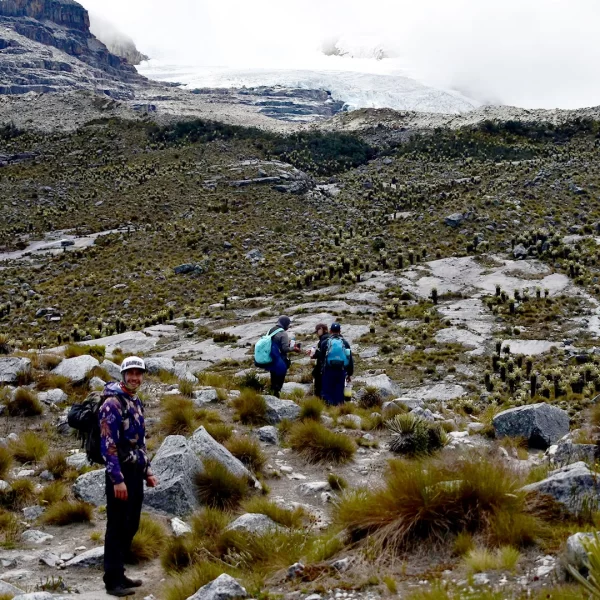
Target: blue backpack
<point>262,349</point>
<point>338,356</point>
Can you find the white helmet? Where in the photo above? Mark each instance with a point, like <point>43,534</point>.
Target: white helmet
<point>133,362</point>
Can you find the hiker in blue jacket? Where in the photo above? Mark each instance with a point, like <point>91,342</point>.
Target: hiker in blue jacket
<point>280,348</point>
<point>338,366</point>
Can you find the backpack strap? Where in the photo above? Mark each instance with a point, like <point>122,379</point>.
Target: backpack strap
<point>275,332</point>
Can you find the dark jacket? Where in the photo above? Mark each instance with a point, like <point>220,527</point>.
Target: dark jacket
<point>320,353</point>
<point>323,348</point>
<point>113,428</point>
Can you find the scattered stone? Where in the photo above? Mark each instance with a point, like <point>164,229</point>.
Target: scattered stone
<point>567,452</point>
<point>175,465</point>
<point>541,424</point>
<point>205,396</point>
<point>351,421</point>
<point>342,565</point>
<point>96,384</point>
<point>382,383</point>
<point>8,589</point>
<point>11,368</point>
<point>179,527</point>
<point>268,434</point>
<point>4,486</point>
<point>313,487</point>
<point>25,473</point>
<point>423,413</point>
<point>32,536</point>
<point>254,523</point>
<point>520,252</point>
<point>17,575</point>
<point>454,220</point>
<point>89,558</point>
<point>50,559</point>
<point>295,570</point>
<point>278,409</point>
<point>575,486</point>
<point>223,587</point>
<point>575,553</point>
<point>31,513</point>
<point>78,460</point>
<point>76,369</point>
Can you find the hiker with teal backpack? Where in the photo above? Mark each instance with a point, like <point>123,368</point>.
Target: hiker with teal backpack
<point>338,366</point>
<point>271,353</point>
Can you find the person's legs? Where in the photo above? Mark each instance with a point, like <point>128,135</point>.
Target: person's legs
<point>277,382</point>
<point>135,490</point>
<point>318,385</point>
<point>116,527</point>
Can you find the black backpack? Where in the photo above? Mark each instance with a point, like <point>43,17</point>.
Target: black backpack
<point>83,417</point>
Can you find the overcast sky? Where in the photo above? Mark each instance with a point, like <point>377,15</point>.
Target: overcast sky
<point>531,53</point>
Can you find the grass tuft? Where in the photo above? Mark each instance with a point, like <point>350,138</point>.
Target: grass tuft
<point>217,487</point>
<point>6,461</point>
<point>311,409</point>
<point>67,512</point>
<point>56,463</point>
<point>370,398</point>
<point>336,482</point>
<point>24,403</point>
<point>186,388</point>
<point>178,415</point>
<point>220,432</point>
<point>317,444</point>
<point>53,493</point>
<point>251,407</point>
<point>283,516</point>
<point>29,448</point>
<point>248,451</point>
<point>149,540</point>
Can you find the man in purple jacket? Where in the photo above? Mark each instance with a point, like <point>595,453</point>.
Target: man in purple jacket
<point>123,445</point>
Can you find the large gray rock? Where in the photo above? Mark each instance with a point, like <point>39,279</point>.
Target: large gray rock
<point>55,396</point>
<point>278,409</point>
<point>112,369</point>
<point>575,553</point>
<point>206,447</point>
<point>205,396</point>
<point>11,367</point>
<point>76,369</point>
<point>254,523</point>
<point>224,587</point>
<point>567,452</point>
<point>454,220</point>
<point>91,487</point>
<point>7,588</point>
<point>268,434</point>
<point>541,424</point>
<point>575,486</point>
<point>89,558</point>
<point>155,364</point>
<point>175,465</point>
<point>32,536</point>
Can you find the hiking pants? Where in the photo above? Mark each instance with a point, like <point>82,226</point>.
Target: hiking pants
<point>318,384</point>
<point>123,520</point>
<point>277,381</point>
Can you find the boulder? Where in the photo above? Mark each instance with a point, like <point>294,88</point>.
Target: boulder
<point>78,460</point>
<point>575,553</point>
<point>205,396</point>
<point>278,409</point>
<point>254,523</point>
<point>567,452</point>
<point>89,558</point>
<point>112,369</point>
<point>8,589</point>
<point>96,384</point>
<point>575,486</point>
<point>91,487</point>
<point>268,434</point>
<point>386,388</point>
<point>520,252</point>
<point>206,447</point>
<point>76,369</point>
<point>423,413</point>
<point>454,220</point>
<point>541,424</point>
<point>55,396</point>
<point>10,368</point>
<point>175,465</point>
<point>155,364</point>
<point>224,587</point>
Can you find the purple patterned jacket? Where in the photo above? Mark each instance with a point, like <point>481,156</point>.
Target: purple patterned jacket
<point>113,428</point>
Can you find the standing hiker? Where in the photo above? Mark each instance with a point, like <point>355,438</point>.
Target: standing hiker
<point>276,345</point>
<point>338,366</point>
<point>123,446</point>
<point>318,354</point>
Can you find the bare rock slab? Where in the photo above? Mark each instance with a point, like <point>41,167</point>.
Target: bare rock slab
<point>278,409</point>
<point>89,558</point>
<point>76,369</point>
<point>541,424</point>
<point>575,486</point>
<point>223,587</point>
<point>175,466</point>
<point>10,368</point>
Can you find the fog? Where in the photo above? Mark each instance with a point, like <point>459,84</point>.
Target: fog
<point>529,53</point>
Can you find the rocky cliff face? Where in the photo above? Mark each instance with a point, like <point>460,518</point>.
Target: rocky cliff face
<point>30,30</point>
<point>116,41</point>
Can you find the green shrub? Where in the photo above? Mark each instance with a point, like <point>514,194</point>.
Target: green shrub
<point>178,554</point>
<point>217,487</point>
<point>251,408</point>
<point>56,463</point>
<point>10,530</point>
<point>248,452</point>
<point>414,436</point>
<point>24,403</point>
<point>252,382</point>
<point>54,492</point>
<point>317,444</point>
<point>73,350</point>
<point>186,388</point>
<point>178,415</point>
<point>20,494</point>
<point>6,461</point>
<point>370,398</point>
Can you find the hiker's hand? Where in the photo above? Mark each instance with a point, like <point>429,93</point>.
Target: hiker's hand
<point>348,379</point>
<point>151,481</point>
<point>120,491</point>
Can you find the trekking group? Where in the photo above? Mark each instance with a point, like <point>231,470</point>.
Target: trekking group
<point>334,364</point>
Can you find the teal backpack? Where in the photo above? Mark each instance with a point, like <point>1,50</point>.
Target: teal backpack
<point>338,356</point>
<point>262,349</point>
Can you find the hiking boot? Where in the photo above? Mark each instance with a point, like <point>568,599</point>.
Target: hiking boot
<point>120,591</point>
<point>131,583</point>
